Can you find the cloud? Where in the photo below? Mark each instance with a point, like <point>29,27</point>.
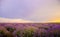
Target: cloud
<point>7,20</point>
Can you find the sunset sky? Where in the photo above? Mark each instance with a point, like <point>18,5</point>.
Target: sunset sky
<point>32,10</point>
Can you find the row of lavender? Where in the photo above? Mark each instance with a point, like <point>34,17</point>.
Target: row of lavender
<point>29,29</point>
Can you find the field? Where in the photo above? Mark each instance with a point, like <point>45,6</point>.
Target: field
<point>29,29</point>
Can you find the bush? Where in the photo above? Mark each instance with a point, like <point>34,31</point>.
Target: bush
<point>5,34</point>
<point>11,29</point>
<point>1,33</point>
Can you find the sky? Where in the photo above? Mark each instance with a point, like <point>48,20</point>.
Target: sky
<point>33,10</point>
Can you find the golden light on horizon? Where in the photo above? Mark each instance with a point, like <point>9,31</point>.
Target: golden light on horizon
<point>55,20</point>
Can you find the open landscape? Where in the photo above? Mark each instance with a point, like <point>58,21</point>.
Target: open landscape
<point>29,18</point>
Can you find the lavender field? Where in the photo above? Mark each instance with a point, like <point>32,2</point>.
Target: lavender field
<point>29,29</point>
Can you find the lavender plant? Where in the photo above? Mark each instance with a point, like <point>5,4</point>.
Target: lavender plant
<point>18,33</point>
